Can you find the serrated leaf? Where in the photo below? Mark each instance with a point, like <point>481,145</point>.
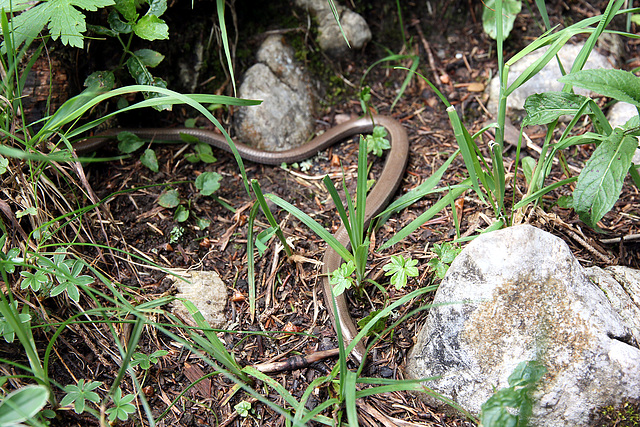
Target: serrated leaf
<point>169,199</point>
<point>543,108</point>
<point>616,84</point>
<point>149,159</point>
<point>64,20</point>
<point>150,27</point>
<point>510,10</point>
<point>601,179</point>
<point>149,57</point>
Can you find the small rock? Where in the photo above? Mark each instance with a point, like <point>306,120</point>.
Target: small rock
<point>516,295</point>
<point>331,39</point>
<point>284,120</point>
<point>206,291</point>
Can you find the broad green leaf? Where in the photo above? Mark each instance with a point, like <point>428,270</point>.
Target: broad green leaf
<point>129,142</point>
<point>117,25</point>
<point>22,404</point>
<point>510,10</point>
<point>157,7</point>
<point>169,199</point>
<point>528,166</point>
<point>181,214</point>
<point>150,27</point>
<point>149,159</point>
<point>149,57</point>
<point>128,9</point>
<point>208,183</point>
<point>600,182</point>
<point>543,108</point>
<point>100,81</point>
<point>617,84</point>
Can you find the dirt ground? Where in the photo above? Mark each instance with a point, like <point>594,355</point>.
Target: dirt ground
<point>448,38</point>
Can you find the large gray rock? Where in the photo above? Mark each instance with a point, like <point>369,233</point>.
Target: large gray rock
<point>515,295</point>
<point>331,39</point>
<point>285,118</point>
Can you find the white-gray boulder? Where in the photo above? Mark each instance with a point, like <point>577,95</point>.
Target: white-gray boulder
<point>516,295</point>
<point>285,119</point>
<point>330,37</point>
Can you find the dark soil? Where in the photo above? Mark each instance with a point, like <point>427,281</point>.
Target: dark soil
<point>289,295</point>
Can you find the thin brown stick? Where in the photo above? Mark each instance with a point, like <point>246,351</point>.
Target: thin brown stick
<point>296,362</point>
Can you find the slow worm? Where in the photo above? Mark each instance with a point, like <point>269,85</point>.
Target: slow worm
<point>378,198</point>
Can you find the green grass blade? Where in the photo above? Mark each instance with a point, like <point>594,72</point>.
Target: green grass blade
<point>350,398</point>
<point>225,41</point>
<point>251,262</point>
<point>419,192</point>
<point>338,204</point>
<point>267,212</point>
<point>455,192</point>
<point>313,225</point>
<point>538,194</point>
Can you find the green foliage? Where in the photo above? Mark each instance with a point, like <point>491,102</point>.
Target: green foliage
<point>600,183</point>
<point>149,159</point>
<point>510,10</point>
<point>6,329</point>
<point>64,20</point>
<point>67,273</point>
<point>511,406</point>
<point>377,142</point>
<point>176,234</point>
<point>243,408</point>
<point>203,152</point>
<point>624,415</point>
<point>341,277</point>
<point>122,406</point>
<point>208,183</point>
<point>79,394</point>
<point>22,405</point>
<point>169,199</point>
<point>400,269</point>
<point>377,327</point>
<point>145,360</point>
<point>444,253</point>
<point>181,214</point>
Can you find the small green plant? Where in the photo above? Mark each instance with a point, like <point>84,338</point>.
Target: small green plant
<point>145,360</point>
<point>511,406</point>
<point>243,408</point>
<point>444,253</point>
<point>400,269</point>
<point>599,184</point>
<point>122,406</point>
<point>80,394</point>
<point>602,177</point>
<point>624,415</point>
<point>176,234</point>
